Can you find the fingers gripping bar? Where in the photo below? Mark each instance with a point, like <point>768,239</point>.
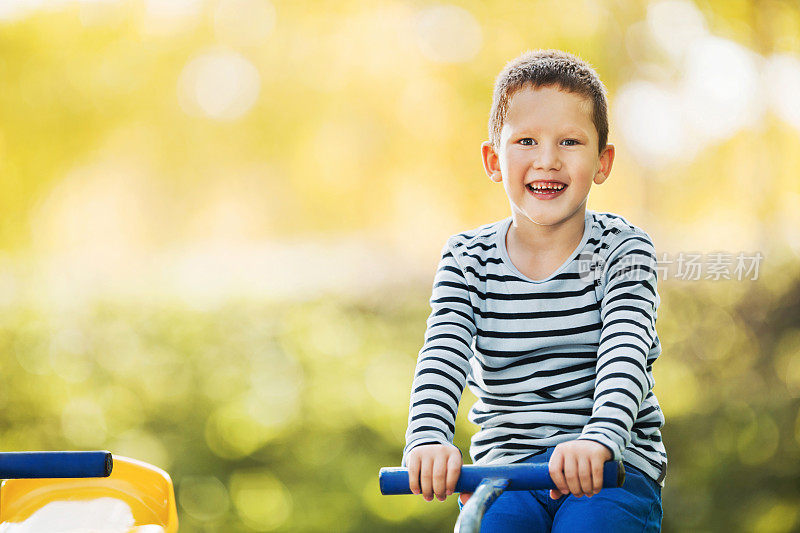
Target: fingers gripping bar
<point>531,476</point>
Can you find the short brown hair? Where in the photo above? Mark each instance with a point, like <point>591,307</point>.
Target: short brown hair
<point>543,68</point>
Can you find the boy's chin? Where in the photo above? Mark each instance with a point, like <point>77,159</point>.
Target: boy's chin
<point>551,216</point>
<point>545,221</point>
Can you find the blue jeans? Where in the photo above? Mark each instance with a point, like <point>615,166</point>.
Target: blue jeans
<point>634,507</point>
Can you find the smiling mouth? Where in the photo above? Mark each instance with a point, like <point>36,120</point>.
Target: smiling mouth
<point>546,189</point>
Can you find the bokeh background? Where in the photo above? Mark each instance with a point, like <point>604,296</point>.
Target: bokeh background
<point>221,220</point>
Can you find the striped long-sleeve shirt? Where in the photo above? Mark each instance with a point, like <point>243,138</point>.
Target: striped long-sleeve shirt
<point>569,356</point>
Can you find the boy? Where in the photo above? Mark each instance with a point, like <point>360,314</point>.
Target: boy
<point>561,304</point>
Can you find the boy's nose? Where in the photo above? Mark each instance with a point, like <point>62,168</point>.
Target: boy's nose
<point>547,159</point>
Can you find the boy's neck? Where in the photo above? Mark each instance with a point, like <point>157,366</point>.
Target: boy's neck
<point>538,239</point>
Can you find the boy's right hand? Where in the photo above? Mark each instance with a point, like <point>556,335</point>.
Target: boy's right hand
<point>433,469</point>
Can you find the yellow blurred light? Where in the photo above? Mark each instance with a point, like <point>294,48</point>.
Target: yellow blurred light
<point>98,13</point>
<point>91,226</point>
<point>204,498</point>
<point>243,22</point>
<point>329,407</point>
<point>782,82</point>
<point>11,284</point>
<point>780,517</point>
<point>677,388</point>
<point>757,441</point>
<point>275,405</point>
<point>162,17</point>
<point>30,348</point>
<point>144,446</point>
<point>337,166</point>
<point>324,326</point>
<point>11,10</point>
<point>225,381</point>
<point>118,348</point>
<point>68,355</point>
<point>333,510</point>
<point>241,427</point>
<point>24,438</point>
<point>161,375</point>
<point>219,84</point>
<point>123,409</point>
<point>725,336</point>
<point>797,428</point>
<point>787,224</point>
<point>720,90</point>
<point>420,222</point>
<point>83,422</point>
<point>389,421</point>
<point>448,34</point>
<point>675,25</point>
<point>309,452</point>
<point>787,361</point>
<point>383,378</point>
<point>722,228</point>
<point>423,108</point>
<point>72,367</point>
<point>260,499</point>
<point>231,434</point>
<point>649,119</point>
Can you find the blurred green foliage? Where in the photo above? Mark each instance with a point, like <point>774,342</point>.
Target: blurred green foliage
<point>278,416</point>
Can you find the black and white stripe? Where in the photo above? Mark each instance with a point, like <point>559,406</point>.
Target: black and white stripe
<point>549,360</point>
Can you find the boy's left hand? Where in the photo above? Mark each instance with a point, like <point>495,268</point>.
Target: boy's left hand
<point>576,466</point>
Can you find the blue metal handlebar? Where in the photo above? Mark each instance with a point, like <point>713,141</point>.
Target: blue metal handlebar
<point>524,476</point>
<point>487,483</point>
<point>29,465</point>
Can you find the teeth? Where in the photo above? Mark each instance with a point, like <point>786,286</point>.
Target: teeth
<point>547,186</point>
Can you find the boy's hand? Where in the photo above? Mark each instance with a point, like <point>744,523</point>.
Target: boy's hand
<point>576,466</point>
<point>433,469</point>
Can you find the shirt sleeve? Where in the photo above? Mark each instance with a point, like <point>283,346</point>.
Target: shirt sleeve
<point>628,311</point>
<point>443,362</point>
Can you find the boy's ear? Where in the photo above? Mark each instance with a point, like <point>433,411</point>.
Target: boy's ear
<point>606,160</point>
<point>491,162</point>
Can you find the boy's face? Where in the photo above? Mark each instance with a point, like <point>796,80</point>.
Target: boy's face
<point>548,137</point>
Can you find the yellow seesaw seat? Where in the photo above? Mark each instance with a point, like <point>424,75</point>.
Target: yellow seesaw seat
<point>135,498</point>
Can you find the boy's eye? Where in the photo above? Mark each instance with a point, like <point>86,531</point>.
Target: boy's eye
<point>527,141</point>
